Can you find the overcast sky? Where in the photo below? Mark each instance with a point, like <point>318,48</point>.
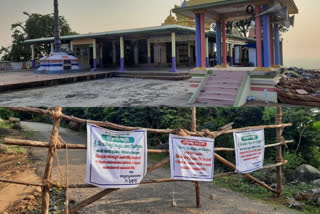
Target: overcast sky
<point>301,42</point>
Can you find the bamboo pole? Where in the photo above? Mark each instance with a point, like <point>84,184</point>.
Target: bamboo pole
<point>31,143</point>
<point>155,131</point>
<point>51,152</point>
<point>279,151</point>
<point>232,166</point>
<point>158,165</point>
<point>194,129</point>
<point>91,200</point>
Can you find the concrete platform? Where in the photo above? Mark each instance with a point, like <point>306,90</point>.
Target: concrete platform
<point>10,81</point>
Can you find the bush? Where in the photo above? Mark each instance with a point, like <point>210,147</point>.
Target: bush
<point>294,160</point>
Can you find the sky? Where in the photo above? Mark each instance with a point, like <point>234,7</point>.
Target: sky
<point>301,43</point>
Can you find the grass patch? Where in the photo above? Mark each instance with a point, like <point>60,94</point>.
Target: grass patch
<point>255,191</point>
<point>155,158</point>
<point>17,150</point>
<point>5,124</point>
<point>27,134</point>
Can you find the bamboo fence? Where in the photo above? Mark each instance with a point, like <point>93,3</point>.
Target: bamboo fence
<point>55,144</point>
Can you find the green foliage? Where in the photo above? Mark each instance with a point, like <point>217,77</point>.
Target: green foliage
<point>35,26</point>
<point>294,160</point>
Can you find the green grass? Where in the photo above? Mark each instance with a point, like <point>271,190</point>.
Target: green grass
<point>5,124</point>
<point>17,150</point>
<point>255,191</point>
<point>27,134</point>
<point>155,158</point>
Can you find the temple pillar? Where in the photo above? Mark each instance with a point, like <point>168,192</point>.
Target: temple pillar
<point>33,63</point>
<point>203,40</point>
<point>271,46</point>
<point>101,54</point>
<point>51,48</point>
<point>122,54</point>
<point>149,52</point>
<point>198,41</point>
<point>218,41</point>
<point>136,53</point>
<point>224,43</point>
<point>207,52</point>
<point>94,49</point>
<point>277,45</point>
<point>266,40</point>
<point>114,53</point>
<point>71,46</point>
<point>173,50</point>
<point>189,53</point>
<point>258,37</point>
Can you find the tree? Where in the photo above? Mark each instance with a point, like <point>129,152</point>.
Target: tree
<point>35,26</point>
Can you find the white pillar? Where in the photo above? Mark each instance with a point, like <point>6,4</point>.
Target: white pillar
<point>121,47</point>
<point>52,47</point>
<point>94,43</point>
<point>32,52</point>
<point>173,47</point>
<point>136,53</point>
<point>71,46</point>
<point>101,54</point>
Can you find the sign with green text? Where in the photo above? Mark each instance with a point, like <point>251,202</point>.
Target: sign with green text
<point>115,159</point>
<point>249,149</point>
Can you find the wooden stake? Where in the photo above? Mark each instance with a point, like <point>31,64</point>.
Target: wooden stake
<point>194,129</point>
<point>51,152</point>
<point>279,151</point>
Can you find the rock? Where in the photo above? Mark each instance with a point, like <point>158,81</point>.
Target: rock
<point>273,186</point>
<point>302,91</point>
<point>14,120</point>
<point>17,126</point>
<point>318,201</point>
<point>73,126</point>
<point>3,148</point>
<point>295,204</point>
<point>316,182</point>
<point>306,173</point>
<point>54,208</point>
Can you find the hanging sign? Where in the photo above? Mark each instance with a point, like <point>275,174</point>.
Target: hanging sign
<point>115,159</point>
<point>191,158</point>
<point>249,149</point>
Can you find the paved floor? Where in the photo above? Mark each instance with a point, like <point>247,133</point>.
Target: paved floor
<point>105,92</point>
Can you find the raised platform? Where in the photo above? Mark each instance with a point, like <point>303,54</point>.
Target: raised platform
<point>158,75</point>
<point>10,81</point>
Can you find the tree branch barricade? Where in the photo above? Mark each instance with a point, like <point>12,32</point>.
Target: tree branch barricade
<point>56,143</point>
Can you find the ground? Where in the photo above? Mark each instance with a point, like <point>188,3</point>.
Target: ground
<point>151,198</point>
<point>105,92</point>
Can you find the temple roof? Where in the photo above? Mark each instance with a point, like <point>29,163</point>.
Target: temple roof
<point>226,9</point>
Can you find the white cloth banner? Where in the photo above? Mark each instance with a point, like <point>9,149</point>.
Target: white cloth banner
<point>115,159</point>
<point>249,148</point>
<point>191,158</point>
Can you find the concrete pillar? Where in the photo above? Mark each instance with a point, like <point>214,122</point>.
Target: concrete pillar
<point>173,50</point>
<point>189,53</point>
<point>33,63</point>
<point>51,47</point>
<point>149,52</point>
<point>203,40</point>
<point>71,46</point>
<point>114,53</point>
<point>122,54</point>
<point>198,41</point>
<point>207,52</point>
<point>258,37</point>
<point>271,45</point>
<point>277,45</point>
<point>218,41</point>
<point>136,53</point>
<point>266,40</point>
<point>224,43</point>
<point>101,54</point>
<point>94,49</point>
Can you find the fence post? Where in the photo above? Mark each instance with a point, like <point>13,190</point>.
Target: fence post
<point>56,114</point>
<point>194,129</point>
<point>279,151</point>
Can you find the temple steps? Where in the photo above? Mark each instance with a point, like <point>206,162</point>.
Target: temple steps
<point>221,88</point>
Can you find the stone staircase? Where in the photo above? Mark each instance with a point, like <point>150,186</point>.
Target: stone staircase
<point>221,88</point>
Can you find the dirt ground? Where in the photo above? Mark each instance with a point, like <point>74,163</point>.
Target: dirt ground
<point>151,198</point>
